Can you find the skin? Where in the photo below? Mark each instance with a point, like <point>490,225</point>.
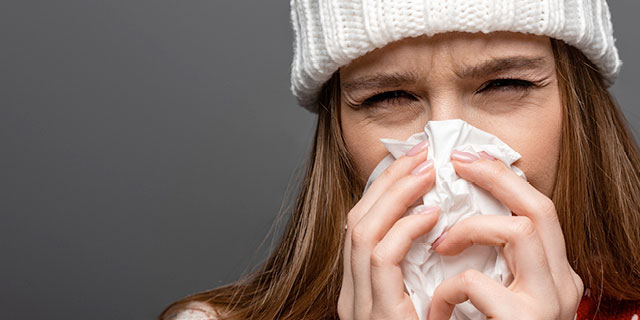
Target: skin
<point>528,120</point>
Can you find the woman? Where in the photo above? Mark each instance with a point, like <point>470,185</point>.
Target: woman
<point>536,76</point>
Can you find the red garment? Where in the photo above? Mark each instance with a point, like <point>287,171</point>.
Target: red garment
<point>609,309</point>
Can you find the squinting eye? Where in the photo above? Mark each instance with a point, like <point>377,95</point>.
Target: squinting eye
<point>507,84</point>
<point>389,97</point>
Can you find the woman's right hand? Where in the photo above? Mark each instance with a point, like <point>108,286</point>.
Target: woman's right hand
<point>378,238</point>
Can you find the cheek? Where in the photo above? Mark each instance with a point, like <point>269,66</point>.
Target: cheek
<point>538,140</point>
<point>366,151</point>
<point>362,139</point>
<point>539,163</point>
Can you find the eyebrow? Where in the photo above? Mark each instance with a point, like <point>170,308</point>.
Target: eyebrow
<point>381,80</point>
<point>500,65</point>
<point>487,68</point>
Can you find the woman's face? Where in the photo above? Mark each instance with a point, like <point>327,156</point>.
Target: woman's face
<point>393,91</point>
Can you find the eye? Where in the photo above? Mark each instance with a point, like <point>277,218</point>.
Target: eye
<point>397,97</point>
<point>506,84</point>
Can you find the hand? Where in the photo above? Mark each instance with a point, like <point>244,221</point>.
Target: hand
<point>544,286</point>
<point>378,238</point>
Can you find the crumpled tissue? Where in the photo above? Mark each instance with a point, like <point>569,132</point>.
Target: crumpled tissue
<point>422,268</point>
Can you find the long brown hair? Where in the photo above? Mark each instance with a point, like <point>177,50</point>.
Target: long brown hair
<point>597,197</point>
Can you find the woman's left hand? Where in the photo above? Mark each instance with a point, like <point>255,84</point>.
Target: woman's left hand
<point>544,286</point>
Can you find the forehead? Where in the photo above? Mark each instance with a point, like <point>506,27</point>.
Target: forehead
<point>447,52</point>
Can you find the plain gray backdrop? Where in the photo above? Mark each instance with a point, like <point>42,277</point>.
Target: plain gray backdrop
<point>147,147</point>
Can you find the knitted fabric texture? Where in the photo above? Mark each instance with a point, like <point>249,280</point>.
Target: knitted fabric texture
<point>607,309</point>
<point>329,34</point>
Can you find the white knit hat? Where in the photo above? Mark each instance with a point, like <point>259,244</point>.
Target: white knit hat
<point>329,34</point>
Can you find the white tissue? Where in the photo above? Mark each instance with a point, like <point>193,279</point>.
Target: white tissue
<point>423,269</point>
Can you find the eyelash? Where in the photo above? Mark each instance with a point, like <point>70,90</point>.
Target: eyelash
<point>393,97</point>
<point>512,83</point>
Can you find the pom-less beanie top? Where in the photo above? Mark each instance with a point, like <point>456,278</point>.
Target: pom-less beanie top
<point>329,34</point>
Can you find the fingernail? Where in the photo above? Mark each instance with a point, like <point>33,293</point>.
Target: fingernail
<point>463,156</point>
<point>418,148</point>
<point>438,240</point>
<point>485,155</point>
<point>422,168</point>
<point>429,210</point>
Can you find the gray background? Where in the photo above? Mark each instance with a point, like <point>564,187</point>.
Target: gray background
<point>147,147</point>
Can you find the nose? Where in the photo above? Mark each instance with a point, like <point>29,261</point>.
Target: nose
<point>446,108</point>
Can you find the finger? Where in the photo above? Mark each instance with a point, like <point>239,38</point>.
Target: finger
<point>386,276</point>
<point>398,169</point>
<point>345,305</point>
<point>346,300</point>
<point>389,207</point>
<point>523,249</point>
<point>521,198</point>
<point>393,203</point>
<point>487,295</point>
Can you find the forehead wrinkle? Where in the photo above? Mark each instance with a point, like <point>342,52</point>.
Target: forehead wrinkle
<point>490,67</point>
<point>495,66</point>
<point>382,80</point>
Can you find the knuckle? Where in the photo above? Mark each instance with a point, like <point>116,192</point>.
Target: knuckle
<point>399,191</point>
<point>523,226</point>
<point>391,172</point>
<point>359,235</point>
<point>405,224</point>
<point>379,257</point>
<point>540,260</point>
<point>352,218</point>
<point>396,187</point>
<point>469,278</point>
<point>547,208</point>
<point>495,173</point>
<point>497,167</point>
